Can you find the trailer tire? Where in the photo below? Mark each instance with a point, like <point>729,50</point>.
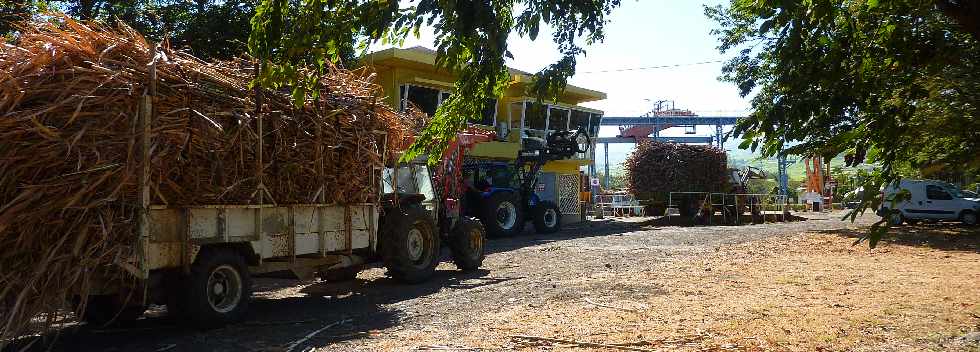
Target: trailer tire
<point>411,250</point>
<point>217,291</point>
<point>502,215</point>
<point>340,275</point>
<point>466,243</point>
<point>547,217</point>
<point>103,310</point>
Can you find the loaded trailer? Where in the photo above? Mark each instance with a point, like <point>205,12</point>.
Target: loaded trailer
<point>199,261</point>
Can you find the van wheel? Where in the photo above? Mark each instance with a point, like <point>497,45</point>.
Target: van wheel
<point>466,242</point>
<point>969,218</point>
<point>411,246</point>
<point>217,291</point>
<point>895,218</point>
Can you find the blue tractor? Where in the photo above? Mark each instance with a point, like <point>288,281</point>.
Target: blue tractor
<point>501,194</point>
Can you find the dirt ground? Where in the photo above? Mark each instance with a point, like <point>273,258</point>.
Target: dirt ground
<point>622,285</point>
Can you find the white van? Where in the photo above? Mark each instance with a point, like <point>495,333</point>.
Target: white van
<point>928,200</point>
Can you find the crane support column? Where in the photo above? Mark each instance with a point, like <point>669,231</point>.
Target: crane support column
<point>783,177</point>
<point>719,136</point>
<point>605,178</point>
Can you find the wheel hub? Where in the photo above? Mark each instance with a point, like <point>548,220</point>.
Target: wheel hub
<point>224,289</point>
<point>550,217</point>
<point>476,241</point>
<point>415,244</point>
<point>506,215</point>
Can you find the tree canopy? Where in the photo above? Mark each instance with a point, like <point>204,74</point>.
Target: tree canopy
<point>470,38</point>
<point>889,82</point>
<point>210,29</point>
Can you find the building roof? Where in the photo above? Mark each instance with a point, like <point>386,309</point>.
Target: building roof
<point>420,57</point>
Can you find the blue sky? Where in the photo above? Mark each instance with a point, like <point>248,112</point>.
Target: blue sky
<point>643,33</point>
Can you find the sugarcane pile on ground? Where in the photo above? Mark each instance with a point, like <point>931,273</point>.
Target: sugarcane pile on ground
<point>657,168</point>
<point>70,151</point>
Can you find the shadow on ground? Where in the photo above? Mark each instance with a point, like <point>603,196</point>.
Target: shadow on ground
<point>273,323</point>
<point>941,236</point>
<point>353,308</point>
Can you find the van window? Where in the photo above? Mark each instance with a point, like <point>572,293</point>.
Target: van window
<point>936,192</point>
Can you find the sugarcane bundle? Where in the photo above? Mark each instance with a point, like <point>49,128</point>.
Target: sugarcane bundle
<point>657,168</point>
<point>70,155</point>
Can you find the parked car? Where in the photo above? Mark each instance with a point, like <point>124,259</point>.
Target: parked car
<point>910,201</point>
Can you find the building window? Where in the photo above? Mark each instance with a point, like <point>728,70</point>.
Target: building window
<point>535,116</point>
<point>429,99</point>
<point>489,112</point>
<point>594,124</point>
<point>426,99</point>
<point>557,118</point>
<point>579,121</point>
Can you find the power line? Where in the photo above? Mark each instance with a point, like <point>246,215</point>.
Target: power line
<point>652,67</point>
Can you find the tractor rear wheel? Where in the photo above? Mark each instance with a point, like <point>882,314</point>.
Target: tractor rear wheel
<point>466,242</point>
<point>411,245</point>
<point>502,215</point>
<point>547,217</point>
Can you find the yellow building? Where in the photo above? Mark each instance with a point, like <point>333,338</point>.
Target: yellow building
<point>410,76</point>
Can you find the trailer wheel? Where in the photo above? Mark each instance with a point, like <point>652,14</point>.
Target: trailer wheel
<point>411,248</point>
<point>466,242</point>
<point>340,275</point>
<point>547,217</point>
<point>217,291</point>
<point>102,310</point>
<point>502,215</point>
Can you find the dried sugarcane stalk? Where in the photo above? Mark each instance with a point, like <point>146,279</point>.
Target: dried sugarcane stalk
<point>72,156</point>
<point>657,168</point>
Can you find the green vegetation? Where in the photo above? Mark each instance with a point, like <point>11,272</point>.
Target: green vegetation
<point>893,83</point>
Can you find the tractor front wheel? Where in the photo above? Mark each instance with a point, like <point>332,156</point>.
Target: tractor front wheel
<point>547,217</point>
<point>466,242</point>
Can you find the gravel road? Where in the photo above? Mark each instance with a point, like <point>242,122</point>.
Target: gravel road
<point>374,313</point>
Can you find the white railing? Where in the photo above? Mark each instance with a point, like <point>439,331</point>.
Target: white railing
<point>618,205</point>
<point>702,207</point>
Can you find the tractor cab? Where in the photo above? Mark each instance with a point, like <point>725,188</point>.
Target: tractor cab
<point>409,182</point>
<point>410,188</point>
